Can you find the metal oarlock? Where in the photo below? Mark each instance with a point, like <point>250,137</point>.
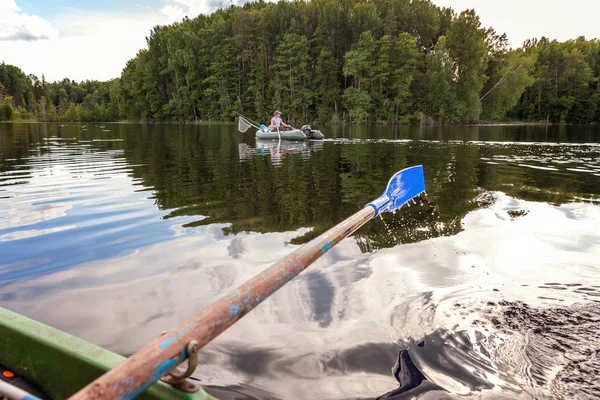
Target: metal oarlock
<point>177,378</point>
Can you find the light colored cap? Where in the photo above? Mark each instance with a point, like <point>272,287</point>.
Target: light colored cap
<point>277,112</point>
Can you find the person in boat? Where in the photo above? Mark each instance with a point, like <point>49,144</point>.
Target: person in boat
<point>277,123</point>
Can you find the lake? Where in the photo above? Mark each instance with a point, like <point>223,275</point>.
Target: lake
<point>488,285</point>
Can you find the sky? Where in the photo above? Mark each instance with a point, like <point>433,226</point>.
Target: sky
<point>93,39</point>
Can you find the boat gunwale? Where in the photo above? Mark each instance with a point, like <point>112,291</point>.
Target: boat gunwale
<point>60,364</point>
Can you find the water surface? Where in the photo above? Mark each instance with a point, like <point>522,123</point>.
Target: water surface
<point>491,282</point>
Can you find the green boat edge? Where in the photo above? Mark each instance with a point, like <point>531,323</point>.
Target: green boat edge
<point>60,364</point>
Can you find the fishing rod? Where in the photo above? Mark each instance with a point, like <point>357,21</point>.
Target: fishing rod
<point>159,358</point>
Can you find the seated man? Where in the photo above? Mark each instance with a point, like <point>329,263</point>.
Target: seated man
<point>277,124</point>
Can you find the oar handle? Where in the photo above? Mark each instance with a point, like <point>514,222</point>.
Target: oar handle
<point>138,372</point>
<point>15,393</point>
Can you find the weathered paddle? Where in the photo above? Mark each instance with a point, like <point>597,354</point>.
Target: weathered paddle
<point>138,372</point>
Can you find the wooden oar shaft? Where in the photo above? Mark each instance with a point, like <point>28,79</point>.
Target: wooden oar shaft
<point>145,367</point>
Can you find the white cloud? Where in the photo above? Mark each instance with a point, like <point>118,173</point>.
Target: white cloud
<point>16,25</point>
<point>9,5</point>
<point>177,9</point>
<point>172,12</point>
<point>91,45</point>
<point>527,19</point>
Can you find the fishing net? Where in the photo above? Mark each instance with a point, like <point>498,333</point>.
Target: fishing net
<point>243,125</point>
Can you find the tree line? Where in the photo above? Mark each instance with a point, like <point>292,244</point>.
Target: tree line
<point>26,97</point>
<point>328,61</point>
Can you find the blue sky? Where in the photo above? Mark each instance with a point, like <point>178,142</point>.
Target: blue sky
<point>49,8</point>
<point>91,39</point>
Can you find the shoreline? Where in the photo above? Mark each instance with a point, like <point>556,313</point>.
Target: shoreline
<point>215,123</point>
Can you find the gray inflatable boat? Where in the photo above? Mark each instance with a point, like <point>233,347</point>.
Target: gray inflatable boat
<point>304,133</point>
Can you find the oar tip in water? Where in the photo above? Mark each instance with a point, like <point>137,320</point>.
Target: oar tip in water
<point>402,187</point>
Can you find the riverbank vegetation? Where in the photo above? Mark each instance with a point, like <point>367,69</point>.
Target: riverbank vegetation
<point>359,61</point>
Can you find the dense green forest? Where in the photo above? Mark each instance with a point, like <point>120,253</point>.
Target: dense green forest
<point>375,61</point>
<point>25,97</point>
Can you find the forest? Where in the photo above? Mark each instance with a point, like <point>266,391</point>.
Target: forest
<point>328,61</point>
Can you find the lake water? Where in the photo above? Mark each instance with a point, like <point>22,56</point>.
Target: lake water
<point>489,285</point>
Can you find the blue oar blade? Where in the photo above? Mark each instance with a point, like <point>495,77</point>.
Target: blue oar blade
<point>402,187</point>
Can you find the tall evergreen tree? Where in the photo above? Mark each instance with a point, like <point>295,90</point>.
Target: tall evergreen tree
<point>466,43</point>
<point>291,80</point>
<point>440,87</point>
<point>359,63</point>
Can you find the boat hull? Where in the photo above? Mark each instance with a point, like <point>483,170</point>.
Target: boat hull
<point>295,135</point>
<point>61,364</point>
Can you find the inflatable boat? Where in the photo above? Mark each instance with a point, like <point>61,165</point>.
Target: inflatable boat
<point>304,133</point>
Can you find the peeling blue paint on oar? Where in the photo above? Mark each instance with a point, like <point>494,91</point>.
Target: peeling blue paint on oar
<point>167,342</point>
<point>234,309</point>
<point>326,247</point>
<point>138,372</point>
